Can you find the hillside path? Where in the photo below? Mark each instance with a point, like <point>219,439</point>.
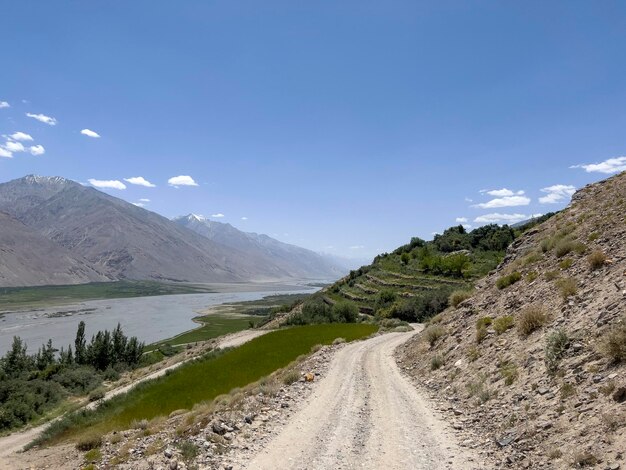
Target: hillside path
<point>365,414</point>
<point>15,442</point>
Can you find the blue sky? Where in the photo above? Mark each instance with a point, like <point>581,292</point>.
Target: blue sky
<point>345,127</point>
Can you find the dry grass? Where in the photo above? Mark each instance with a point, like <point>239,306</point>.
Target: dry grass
<point>433,333</point>
<point>596,259</point>
<point>613,344</point>
<point>567,287</point>
<point>530,319</point>
<point>459,296</point>
<point>291,376</point>
<point>508,280</point>
<point>502,324</point>
<point>436,362</point>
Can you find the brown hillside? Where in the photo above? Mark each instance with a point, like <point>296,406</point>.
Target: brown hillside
<point>550,390</point>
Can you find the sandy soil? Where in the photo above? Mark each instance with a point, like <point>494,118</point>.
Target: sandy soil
<point>11,445</point>
<point>365,414</point>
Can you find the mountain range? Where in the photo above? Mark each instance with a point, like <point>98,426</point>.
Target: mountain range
<point>57,231</point>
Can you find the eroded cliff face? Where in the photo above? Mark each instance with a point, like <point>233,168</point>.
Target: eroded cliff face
<point>532,368</point>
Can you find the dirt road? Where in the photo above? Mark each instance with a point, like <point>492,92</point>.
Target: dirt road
<point>15,442</point>
<point>365,414</point>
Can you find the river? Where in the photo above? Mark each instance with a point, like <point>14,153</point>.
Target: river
<point>149,318</point>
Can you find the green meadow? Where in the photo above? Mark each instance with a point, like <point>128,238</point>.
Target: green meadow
<point>203,380</point>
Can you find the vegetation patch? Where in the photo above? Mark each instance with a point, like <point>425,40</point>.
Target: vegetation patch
<point>596,259</point>
<point>613,344</point>
<point>567,287</point>
<point>433,333</point>
<point>530,319</point>
<point>459,296</point>
<point>203,379</point>
<point>557,343</point>
<point>502,324</point>
<point>508,280</point>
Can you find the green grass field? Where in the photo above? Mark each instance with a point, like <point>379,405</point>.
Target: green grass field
<point>203,380</point>
<point>22,297</point>
<point>213,325</point>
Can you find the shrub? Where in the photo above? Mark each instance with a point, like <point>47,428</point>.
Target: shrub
<point>93,455</point>
<point>532,318</point>
<point>291,377</point>
<point>551,275</point>
<point>557,343</point>
<point>613,345</point>
<point>567,390</point>
<point>509,373</point>
<point>585,459</point>
<point>531,276</point>
<point>481,334</point>
<point>502,324</point>
<point>567,287</point>
<point>547,244</point>
<point>566,263</point>
<point>473,353</point>
<point>483,322</point>
<point>97,394</point>
<point>593,236</point>
<point>459,296</point>
<point>433,333</point>
<point>531,258</point>
<point>564,247</point>
<point>596,259</point>
<point>188,450</point>
<point>436,362</point>
<point>89,441</point>
<point>345,312</point>
<point>509,279</point>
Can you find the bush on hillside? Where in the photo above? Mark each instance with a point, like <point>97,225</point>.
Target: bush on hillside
<point>345,312</point>
<point>459,296</point>
<point>505,281</point>
<point>530,319</point>
<point>613,344</point>
<point>596,259</point>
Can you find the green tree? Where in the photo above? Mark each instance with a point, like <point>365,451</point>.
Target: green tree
<point>80,345</point>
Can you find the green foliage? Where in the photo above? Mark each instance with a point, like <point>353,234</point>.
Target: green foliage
<point>507,280</point>
<point>613,343</point>
<point>566,263</point>
<point>345,312</point>
<point>405,258</point>
<point>557,343</point>
<point>509,373</point>
<point>188,450</point>
<point>314,311</point>
<point>502,324</point>
<point>203,379</point>
<point>436,362</point>
<point>483,322</point>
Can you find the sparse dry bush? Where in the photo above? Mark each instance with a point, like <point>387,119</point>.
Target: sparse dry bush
<point>436,362</point>
<point>530,319</point>
<point>502,324</point>
<point>567,287</point>
<point>613,344</point>
<point>596,260</point>
<point>567,390</point>
<point>551,275</point>
<point>459,296</point>
<point>291,376</point>
<point>89,441</point>
<point>557,343</point>
<point>507,280</point>
<point>433,333</point>
<point>509,373</point>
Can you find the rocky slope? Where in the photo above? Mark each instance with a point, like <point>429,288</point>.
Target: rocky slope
<point>119,239</point>
<point>26,257</point>
<point>532,368</point>
<point>292,260</point>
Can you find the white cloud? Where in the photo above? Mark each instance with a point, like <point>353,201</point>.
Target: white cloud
<point>4,104</point>
<point>219,215</point>
<point>140,181</point>
<point>90,133</point>
<point>143,199</point>
<point>4,153</point>
<point>461,220</point>
<point>14,146</point>
<point>496,217</point>
<point>557,193</point>
<point>138,204</point>
<point>21,136</point>
<point>109,184</point>
<point>37,150</point>
<point>467,199</point>
<point>507,201</point>
<point>501,192</point>
<point>244,218</point>
<point>611,165</point>
<point>357,247</point>
<point>182,180</point>
<point>467,226</point>
<point>43,118</point>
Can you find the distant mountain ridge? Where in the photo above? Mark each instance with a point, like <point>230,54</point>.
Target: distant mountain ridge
<point>89,235</point>
<point>298,262</point>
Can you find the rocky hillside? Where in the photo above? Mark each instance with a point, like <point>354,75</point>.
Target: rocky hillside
<point>115,238</point>
<point>532,367</point>
<point>30,258</point>
<point>293,261</point>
